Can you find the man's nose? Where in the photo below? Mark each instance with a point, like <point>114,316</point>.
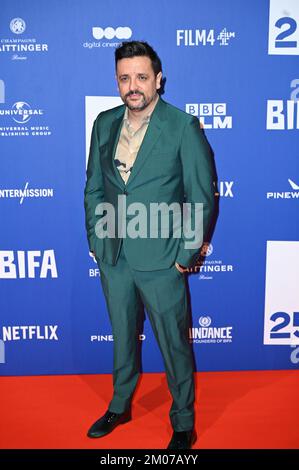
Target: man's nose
<point>133,84</point>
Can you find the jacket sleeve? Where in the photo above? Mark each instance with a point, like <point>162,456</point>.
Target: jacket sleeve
<point>93,192</point>
<point>199,179</point>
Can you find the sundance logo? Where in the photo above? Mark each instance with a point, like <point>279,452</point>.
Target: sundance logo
<point>29,332</point>
<point>27,264</point>
<point>210,334</point>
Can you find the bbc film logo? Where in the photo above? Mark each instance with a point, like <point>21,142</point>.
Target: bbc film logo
<point>211,115</point>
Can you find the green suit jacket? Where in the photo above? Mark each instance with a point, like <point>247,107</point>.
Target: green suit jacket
<point>174,165</point>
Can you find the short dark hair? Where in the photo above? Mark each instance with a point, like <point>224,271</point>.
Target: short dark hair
<point>138,48</point>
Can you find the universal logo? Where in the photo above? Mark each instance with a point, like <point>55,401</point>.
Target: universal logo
<point>21,113</point>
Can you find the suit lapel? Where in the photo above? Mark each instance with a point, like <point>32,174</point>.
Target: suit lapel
<point>113,140</point>
<point>155,127</point>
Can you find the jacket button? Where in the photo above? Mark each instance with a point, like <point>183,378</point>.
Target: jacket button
<point>125,192</point>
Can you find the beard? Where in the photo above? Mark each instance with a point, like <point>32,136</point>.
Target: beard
<point>141,105</point>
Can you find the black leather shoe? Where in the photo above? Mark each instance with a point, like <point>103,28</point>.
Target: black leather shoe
<point>182,440</point>
<point>108,422</point>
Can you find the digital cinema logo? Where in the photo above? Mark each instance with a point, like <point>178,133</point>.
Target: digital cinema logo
<point>17,46</point>
<point>284,114</point>
<point>206,333</point>
<point>108,37</point>
<point>211,115</point>
<point>28,264</point>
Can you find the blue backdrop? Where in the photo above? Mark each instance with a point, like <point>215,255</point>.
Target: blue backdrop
<point>234,64</point>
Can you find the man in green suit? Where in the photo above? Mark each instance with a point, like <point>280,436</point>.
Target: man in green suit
<point>149,157</point>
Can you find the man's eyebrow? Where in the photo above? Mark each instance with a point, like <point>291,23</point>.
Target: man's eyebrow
<point>126,74</point>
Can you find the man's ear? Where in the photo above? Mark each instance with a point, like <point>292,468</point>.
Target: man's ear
<point>158,80</point>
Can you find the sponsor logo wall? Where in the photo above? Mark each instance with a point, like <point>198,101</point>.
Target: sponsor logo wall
<point>56,75</point>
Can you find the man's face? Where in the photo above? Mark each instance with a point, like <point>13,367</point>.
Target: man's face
<point>137,82</point>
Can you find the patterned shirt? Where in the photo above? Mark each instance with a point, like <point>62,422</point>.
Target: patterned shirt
<point>129,143</point>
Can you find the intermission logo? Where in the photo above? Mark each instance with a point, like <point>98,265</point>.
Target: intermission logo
<point>203,37</point>
<point>284,114</point>
<point>30,332</point>
<point>293,194</point>
<point>27,264</point>
<point>283,27</point>
<point>108,37</point>
<point>208,268</point>
<point>26,192</point>
<point>17,46</point>
<point>206,333</point>
<point>211,115</point>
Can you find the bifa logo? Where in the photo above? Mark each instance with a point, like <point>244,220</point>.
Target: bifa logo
<point>27,264</point>
<point>284,114</point>
<point>30,332</point>
<point>211,115</point>
<point>210,334</point>
<point>283,27</point>
<point>294,194</point>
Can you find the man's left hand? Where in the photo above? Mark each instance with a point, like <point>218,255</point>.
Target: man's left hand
<point>181,268</point>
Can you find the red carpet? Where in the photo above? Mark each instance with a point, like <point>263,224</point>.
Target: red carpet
<point>250,410</point>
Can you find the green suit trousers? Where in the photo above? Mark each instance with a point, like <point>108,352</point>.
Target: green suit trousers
<point>163,294</point>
